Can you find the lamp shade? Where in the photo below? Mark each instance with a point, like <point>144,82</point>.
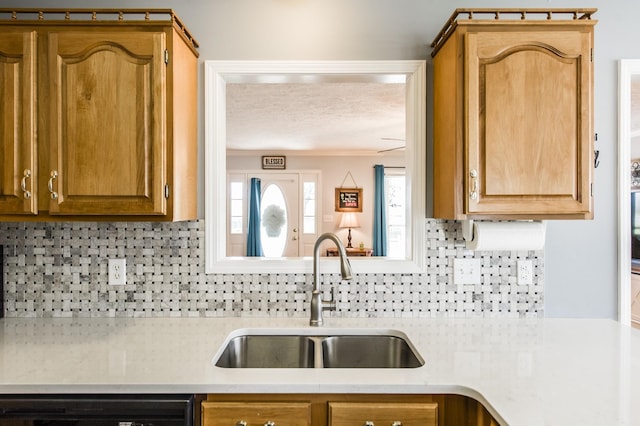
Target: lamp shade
<point>349,220</point>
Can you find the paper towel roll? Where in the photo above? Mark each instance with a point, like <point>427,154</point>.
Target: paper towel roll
<point>507,236</point>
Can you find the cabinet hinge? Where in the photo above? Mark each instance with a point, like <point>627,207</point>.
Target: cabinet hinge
<point>592,54</point>
<point>166,56</point>
<point>592,189</point>
<point>166,191</point>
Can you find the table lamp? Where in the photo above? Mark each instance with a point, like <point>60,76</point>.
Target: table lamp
<point>349,220</point>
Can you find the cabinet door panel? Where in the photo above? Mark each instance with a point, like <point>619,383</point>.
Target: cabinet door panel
<point>256,413</point>
<point>109,131</point>
<point>18,174</point>
<point>529,133</point>
<point>358,413</point>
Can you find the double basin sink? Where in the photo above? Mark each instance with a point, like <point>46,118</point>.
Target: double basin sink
<point>309,348</point>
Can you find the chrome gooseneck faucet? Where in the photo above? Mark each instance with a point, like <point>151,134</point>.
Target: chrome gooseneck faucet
<point>317,304</point>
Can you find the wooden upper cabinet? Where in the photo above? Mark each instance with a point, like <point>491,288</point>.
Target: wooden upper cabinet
<point>18,172</point>
<point>116,118</point>
<point>513,116</point>
<point>108,133</point>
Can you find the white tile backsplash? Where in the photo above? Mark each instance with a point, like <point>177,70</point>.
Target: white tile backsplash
<point>61,270</point>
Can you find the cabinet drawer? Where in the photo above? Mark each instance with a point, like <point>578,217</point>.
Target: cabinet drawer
<point>383,413</point>
<point>256,413</point>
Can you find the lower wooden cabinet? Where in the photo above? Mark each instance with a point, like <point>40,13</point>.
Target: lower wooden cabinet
<point>383,413</point>
<point>342,410</point>
<point>256,413</point>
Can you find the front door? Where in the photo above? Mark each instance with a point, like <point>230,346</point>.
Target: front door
<point>279,214</point>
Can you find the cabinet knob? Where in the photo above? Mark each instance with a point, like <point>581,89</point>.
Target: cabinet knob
<point>23,184</point>
<point>54,175</point>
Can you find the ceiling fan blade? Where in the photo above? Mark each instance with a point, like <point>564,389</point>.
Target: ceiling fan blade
<point>391,149</point>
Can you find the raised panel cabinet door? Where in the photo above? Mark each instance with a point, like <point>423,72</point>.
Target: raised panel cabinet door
<point>18,172</point>
<point>529,132</point>
<point>108,134</point>
<point>256,413</point>
<point>383,414</point>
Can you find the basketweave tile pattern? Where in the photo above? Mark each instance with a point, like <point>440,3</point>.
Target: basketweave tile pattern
<point>60,270</point>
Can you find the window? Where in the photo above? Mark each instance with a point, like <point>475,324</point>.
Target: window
<point>395,195</point>
<point>219,73</point>
<point>308,207</point>
<point>236,202</point>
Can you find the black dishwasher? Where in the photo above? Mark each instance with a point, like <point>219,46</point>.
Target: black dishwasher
<point>96,410</point>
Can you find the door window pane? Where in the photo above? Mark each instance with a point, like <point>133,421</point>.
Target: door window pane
<point>273,215</point>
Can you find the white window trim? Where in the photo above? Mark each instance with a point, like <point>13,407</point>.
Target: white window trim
<point>217,73</point>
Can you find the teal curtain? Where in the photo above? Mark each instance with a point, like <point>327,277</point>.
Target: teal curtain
<point>379,214</point>
<point>254,245</point>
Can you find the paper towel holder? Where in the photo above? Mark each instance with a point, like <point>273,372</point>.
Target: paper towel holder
<point>467,229</point>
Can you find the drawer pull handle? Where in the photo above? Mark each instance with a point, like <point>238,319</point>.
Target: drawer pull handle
<point>23,184</point>
<point>241,423</point>
<point>396,423</point>
<point>369,423</point>
<point>270,424</point>
<point>54,175</point>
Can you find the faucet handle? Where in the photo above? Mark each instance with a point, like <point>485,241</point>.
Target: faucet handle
<point>330,299</point>
<point>329,304</point>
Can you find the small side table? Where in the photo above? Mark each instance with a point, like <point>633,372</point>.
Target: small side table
<point>355,251</point>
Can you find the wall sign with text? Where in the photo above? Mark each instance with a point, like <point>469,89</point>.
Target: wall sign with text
<point>349,200</point>
<point>274,162</point>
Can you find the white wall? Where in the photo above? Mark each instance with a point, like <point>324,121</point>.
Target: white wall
<point>580,275</point>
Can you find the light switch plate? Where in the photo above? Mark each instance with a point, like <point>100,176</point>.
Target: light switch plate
<point>117,271</point>
<point>466,271</point>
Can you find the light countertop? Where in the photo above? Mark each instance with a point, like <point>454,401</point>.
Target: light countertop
<point>526,372</point>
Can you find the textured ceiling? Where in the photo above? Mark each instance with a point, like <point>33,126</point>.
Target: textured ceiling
<point>317,118</point>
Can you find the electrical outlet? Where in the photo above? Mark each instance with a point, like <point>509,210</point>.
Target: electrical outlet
<point>466,271</point>
<point>117,271</point>
<point>525,272</point>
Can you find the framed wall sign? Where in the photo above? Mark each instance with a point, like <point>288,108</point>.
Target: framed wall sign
<point>349,200</point>
<point>277,162</point>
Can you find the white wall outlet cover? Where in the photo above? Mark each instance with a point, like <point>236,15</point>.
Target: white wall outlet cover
<point>466,271</point>
<point>525,272</point>
<point>117,271</point>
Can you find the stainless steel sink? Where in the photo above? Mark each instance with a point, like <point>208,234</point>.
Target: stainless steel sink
<point>368,352</point>
<point>354,350</point>
<point>263,351</point>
